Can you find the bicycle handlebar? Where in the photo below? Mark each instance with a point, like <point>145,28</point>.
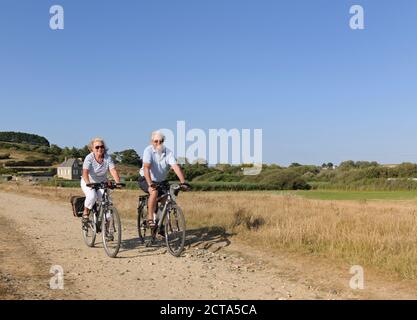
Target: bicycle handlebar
<point>106,185</point>
<point>182,186</point>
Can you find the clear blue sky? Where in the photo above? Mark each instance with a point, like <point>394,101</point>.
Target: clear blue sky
<point>320,91</point>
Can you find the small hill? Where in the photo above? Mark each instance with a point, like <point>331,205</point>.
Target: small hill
<point>23,152</point>
<point>21,137</point>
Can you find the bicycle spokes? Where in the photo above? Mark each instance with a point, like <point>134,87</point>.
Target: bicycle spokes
<point>89,231</point>
<point>175,231</point>
<point>112,232</point>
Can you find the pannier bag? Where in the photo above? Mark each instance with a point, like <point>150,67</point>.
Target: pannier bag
<point>77,204</point>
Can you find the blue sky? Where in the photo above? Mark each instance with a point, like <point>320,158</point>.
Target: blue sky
<point>319,91</point>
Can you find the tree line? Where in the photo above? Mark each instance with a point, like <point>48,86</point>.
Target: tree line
<point>21,137</point>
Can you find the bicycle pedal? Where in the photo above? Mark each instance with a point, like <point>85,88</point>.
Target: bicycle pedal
<point>159,237</point>
<point>148,243</point>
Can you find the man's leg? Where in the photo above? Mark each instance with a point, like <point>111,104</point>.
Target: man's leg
<point>152,197</point>
<point>152,203</point>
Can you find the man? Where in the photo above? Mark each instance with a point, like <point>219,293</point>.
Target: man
<point>157,160</point>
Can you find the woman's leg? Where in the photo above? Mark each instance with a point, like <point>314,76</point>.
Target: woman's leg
<point>90,198</point>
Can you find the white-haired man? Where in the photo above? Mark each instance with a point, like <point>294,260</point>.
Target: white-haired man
<point>157,160</point>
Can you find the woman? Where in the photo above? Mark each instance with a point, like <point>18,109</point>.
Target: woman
<point>95,168</point>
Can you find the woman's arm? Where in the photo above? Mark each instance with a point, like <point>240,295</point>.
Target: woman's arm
<point>115,175</point>
<point>85,176</point>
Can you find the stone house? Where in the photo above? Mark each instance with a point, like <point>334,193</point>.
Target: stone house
<point>70,169</point>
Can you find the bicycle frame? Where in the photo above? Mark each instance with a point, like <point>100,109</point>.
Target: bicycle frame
<point>170,221</point>
<point>101,207</point>
<point>104,218</point>
<point>169,198</point>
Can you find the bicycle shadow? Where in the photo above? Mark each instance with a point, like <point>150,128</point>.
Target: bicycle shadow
<point>134,244</point>
<point>209,238</point>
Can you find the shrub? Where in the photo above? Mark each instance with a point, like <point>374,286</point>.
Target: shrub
<point>250,222</point>
<point>287,180</point>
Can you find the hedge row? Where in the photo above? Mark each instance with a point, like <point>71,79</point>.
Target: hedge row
<point>196,186</point>
<point>28,163</point>
<point>368,185</point>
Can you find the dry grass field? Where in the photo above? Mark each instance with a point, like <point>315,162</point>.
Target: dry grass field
<point>379,234</point>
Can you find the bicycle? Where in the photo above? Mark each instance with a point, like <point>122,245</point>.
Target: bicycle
<point>104,216</point>
<point>169,218</point>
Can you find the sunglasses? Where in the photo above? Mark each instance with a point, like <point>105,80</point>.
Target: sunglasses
<point>156,141</point>
<point>99,147</point>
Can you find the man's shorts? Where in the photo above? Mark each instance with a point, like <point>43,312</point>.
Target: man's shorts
<point>144,186</point>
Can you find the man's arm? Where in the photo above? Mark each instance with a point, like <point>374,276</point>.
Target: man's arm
<point>147,174</point>
<point>178,172</point>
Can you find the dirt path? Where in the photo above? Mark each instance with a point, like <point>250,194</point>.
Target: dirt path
<point>36,234</point>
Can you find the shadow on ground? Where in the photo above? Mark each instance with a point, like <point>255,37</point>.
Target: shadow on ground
<point>213,239</point>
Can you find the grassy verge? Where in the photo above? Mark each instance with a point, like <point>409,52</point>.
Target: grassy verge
<point>377,234</point>
<point>354,195</point>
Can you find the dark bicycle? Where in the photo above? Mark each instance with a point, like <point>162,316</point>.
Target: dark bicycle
<point>104,218</point>
<point>169,218</point>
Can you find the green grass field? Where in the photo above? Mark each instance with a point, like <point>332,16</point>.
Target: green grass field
<point>354,195</point>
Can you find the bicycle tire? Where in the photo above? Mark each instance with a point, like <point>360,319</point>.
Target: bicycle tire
<point>175,230</point>
<point>142,223</point>
<point>111,238</point>
<point>90,234</point>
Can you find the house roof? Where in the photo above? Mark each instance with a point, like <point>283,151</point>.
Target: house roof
<point>68,163</point>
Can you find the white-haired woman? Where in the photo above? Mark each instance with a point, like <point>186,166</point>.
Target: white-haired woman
<point>95,168</point>
<point>157,160</point>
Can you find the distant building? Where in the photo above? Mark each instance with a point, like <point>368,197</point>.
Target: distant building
<point>70,169</point>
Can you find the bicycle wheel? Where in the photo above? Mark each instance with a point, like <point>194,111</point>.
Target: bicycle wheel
<point>175,230</point>
<point>111,230</point>
<point>141,223</point>
<point>90,233</point>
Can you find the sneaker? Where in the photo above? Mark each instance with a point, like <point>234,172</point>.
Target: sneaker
<point>84,223</point>
<point>109,237</point>
<point>150,223</point>
<point>161,231</point>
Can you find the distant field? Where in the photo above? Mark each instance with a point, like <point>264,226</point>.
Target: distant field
<point>353,195</point>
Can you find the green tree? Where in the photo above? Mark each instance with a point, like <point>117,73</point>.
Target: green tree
<point>294,164</point>
<point>55,150</point>
<point>347,165</point>
<point>128,157</point>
